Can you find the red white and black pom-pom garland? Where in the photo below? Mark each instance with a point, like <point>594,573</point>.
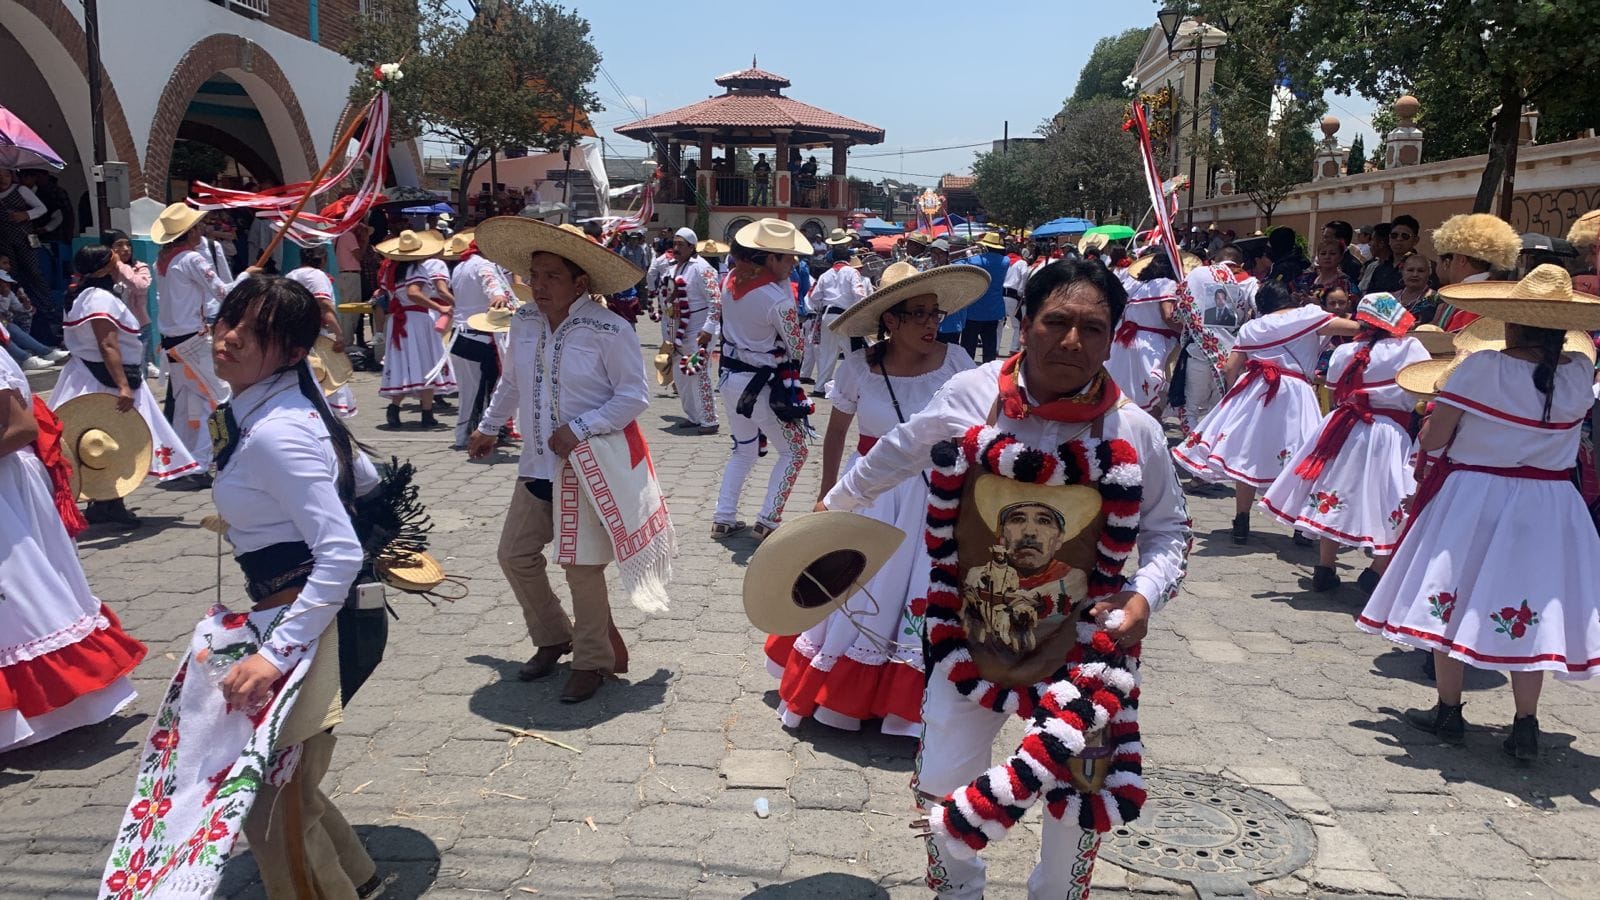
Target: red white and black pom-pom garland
<point>1097,686</point>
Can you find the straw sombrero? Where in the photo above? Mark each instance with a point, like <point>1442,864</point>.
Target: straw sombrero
<point>1435,340</point>
<point>1428,377</point>
<point>109,449</point>
<point>664,364</point>
<point>495,321</point>
<point>411,246</point>
<point>415,571</point>
<point>838,237</point>
<point>458,244</point>
<point>990,241</point>
<point>810,566</point>
<point>709,247</point>
<point>1544,298</point>
<point>512,241</point>
<point>1076,504</point>
<point>1093,242</point>
<point>174,222</point>
<point>1190,263</point>
<point>956,287</point>
<point>775,236</point>
<point>331,367</point>
<point>1585,232</point>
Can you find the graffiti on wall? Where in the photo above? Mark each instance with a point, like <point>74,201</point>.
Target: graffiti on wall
<point>1552,212</point>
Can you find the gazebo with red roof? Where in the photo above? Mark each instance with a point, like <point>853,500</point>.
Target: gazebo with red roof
<point>752,113</point>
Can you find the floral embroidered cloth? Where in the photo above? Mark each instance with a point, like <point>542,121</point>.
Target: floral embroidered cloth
<point>201,766</point>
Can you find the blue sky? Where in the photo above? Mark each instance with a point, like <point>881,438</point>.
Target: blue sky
<point>931,75</point>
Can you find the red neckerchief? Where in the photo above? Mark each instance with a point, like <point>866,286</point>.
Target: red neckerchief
<point>740,284</point>
<point>471,251</point>
<point>1093,402</point>
<point>839,265</point>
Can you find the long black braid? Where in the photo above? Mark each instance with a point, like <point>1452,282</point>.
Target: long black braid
<point>1548,343</point>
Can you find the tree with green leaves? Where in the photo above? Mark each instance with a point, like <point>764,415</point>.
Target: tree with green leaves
<point>1005,185</point>
<point>515,74</point>
<point>1108,66</point>
<point>1358,156</point>
<point>1473,64</point>
<point>1089,166</point>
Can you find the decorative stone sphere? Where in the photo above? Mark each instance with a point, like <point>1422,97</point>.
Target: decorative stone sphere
<point>1406,108</point>
<point>1330,126</point>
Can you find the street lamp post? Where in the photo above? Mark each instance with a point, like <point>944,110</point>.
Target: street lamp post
<point>1203,44</point>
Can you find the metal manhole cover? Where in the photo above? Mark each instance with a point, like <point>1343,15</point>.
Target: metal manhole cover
<point>1208,830</point>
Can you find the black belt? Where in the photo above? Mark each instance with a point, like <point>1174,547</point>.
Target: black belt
<point>167,343</point>
<point>102,373</point>
<point>729,364</point>
<point>276,567</point>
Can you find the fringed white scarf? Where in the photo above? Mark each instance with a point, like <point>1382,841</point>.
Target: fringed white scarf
<point>609,506</point>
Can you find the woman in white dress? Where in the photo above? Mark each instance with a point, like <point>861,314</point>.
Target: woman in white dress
<point>102,335</point>
<point>1498,566</point>
<point>1346,484</point>
<point>1147,334</point>
<point>865,660</point>
<point>311,276</point>
<point>1270,408</point>
<point>415,364</point>
<point>64,658</point>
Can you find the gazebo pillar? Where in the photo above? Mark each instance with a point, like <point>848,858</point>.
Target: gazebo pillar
<point>838,193</point>
<point>780,167</point>
<point>705,182</point>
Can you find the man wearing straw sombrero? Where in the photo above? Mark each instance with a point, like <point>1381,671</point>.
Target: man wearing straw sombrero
<point>573,375</point>
<point>1048,418</point>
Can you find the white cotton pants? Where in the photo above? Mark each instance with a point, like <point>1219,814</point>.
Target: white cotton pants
<point>788,438</point>
<point>808,348</point>
<point>1014,324</point>
<point>1201,393</point>
<point>190,410</point>
<point>832,345</point>
<point>957,736</point>
<point>469,378</point>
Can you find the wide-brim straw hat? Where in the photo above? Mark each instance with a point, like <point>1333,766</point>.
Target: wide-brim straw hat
<point>812,565</point>
<point>512,241</point>
<point>1190,263</point>
<point>174,222</point>
<point>1585,232</point>
<point>458,244</point>
<point>411,246</point>
<point>1480,236</point>
<point>1434,339</point>
<point>331,367</point>
<point>1428,377</point>
<point>1544,298</point>
<point>838,237</point>
<point>1077,504</point>
<point>1093,242</point>
<point>990,241</point>
<point>109,450</point>
<point>415,571</point>
<point>496,321</point>
<point>956,287</point>
<point>709,247</point>
<point>774,236</point>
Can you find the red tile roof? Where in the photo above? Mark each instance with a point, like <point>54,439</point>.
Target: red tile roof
<point>761,111</point>
<point>752,74</point>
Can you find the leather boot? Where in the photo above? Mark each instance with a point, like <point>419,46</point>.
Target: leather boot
<point>1241,528</point>
<point>1324,579</point>
<point>1523,744</point>
<point>391,416</point>
<point>1443,720</point>
<point>543,662</point>
<point>582,684</point>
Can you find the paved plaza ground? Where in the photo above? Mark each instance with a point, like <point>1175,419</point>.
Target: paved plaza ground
<point>1248,675</point>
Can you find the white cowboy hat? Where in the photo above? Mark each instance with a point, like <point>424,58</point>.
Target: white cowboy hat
<point>809,567</point>
<point>109,449</point>
<point>1190,263</point>
<point>838,237</point>
<point>174,222</point>
<point>773,236</point>
<point>1544,298</point>
<point>512,241</point>
<point>411,246</point>
<point>458,244</point>
<point>956,287</point>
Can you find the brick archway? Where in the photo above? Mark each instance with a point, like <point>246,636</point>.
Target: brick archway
<point>58,20</point>
<point>245,62</point>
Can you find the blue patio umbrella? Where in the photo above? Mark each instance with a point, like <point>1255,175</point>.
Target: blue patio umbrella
<point>879,226</point>
<point>435,209</point>
<point>1068,225</point>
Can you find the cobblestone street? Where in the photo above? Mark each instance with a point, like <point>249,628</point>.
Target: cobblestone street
<point>1248,675</point>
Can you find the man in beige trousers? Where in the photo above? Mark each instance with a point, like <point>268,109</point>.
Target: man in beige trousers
<point>572,371</point>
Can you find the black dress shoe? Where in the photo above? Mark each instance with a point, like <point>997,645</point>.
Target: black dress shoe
<point>542,663</point>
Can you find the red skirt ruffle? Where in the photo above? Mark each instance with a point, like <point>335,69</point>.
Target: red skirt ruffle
<point>36,686</point>
<point>854,689</point>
